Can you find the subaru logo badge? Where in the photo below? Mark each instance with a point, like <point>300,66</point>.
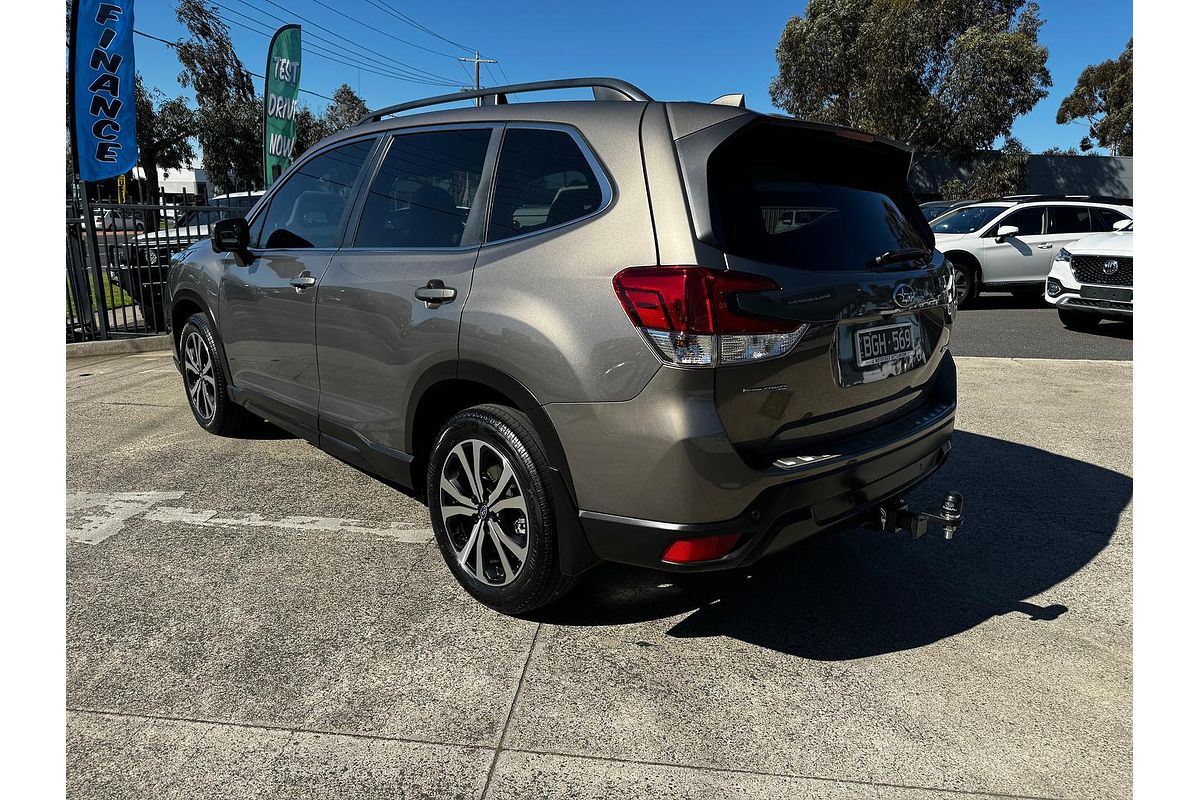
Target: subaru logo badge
<point>904,295</point>
<point>1109,267</point>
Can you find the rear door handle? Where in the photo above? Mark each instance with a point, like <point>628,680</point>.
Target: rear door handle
<point>435,293</point>
<point>303,281</point>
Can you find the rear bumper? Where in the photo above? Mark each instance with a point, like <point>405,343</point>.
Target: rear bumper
<point>770,508</point>
<point>782,515</point>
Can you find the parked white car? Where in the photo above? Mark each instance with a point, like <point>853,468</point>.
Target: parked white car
<point>1009,244</point>
<point>1092,279</point>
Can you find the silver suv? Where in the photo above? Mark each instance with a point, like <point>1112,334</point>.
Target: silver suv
<point>674,335</point>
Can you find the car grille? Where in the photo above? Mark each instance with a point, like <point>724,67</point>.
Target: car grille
<point>1090,269</point>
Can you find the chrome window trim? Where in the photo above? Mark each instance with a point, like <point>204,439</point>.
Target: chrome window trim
<point>607,191</point>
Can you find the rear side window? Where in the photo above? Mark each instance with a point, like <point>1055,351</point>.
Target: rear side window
<point>424,190</point>
<point>1070,219</point>
<point>1103,219</point>
<point>1027,221</point>
<point>814,205</point>
<point>309,208</point>
<point>543,180</point>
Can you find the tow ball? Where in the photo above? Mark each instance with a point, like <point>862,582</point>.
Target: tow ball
<point>896,517</point>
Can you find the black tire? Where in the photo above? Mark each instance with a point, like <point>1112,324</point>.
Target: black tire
<point>210,403</point>
<point>1078,320</point>
<point>536,580</point>
<point>966,283</point>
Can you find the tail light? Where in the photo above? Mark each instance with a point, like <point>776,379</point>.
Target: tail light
<point>691,317</point>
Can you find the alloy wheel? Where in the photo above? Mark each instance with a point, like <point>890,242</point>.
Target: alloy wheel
<point>484,511</point>
<point>198,376</point>
<point>962,283</point>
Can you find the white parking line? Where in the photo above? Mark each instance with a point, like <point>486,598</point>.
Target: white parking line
<point>93,517</point>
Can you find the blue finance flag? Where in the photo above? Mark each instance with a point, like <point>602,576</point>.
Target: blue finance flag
<point>103,115</point>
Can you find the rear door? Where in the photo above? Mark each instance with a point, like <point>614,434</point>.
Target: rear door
<point>1064,224</point>
<point>856,264</point>
<point>266,306</point>
<point>389,307</point>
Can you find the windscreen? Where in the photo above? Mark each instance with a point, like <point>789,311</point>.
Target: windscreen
<point>967,220</point>
<point>791,198</point>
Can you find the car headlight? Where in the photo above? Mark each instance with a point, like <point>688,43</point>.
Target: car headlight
<point>1064,255</point>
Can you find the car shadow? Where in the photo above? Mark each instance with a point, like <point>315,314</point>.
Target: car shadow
<point>991,301</point>
<point>1113,329</point>
<point>1034,518</point>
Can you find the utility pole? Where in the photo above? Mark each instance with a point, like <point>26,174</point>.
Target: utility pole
<point>477,61</point>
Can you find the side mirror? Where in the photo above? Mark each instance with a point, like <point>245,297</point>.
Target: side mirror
<point>230,236</point>
<point>1006,231</point>
<point>1121,225</point>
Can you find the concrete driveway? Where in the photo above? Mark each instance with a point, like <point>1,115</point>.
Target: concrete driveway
<point>252,617</point>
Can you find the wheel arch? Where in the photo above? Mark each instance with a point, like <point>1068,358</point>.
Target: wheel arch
<point>967,259</point>
<point>184,304</point>
<point>445,389</point>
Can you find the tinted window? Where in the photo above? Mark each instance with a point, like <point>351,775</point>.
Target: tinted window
<point>542,180</point>
<point>967,220</point>
<point>827,211</point>
<point>1028,222</point>
<point>1103,219</point>
<point>1069,219</point>
<point>424,190</point>
<point>308,209</point>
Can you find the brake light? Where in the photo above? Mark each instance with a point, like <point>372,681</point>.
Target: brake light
<point>701,548</point>
<point>691,316</point>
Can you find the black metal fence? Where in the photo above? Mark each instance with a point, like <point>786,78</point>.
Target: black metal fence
<point>118,257</point>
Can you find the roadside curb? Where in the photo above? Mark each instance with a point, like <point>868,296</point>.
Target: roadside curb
<point>112,347</point>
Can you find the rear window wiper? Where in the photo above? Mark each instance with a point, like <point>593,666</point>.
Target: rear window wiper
<point>892,256</point>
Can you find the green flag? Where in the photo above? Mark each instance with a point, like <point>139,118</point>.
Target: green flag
<point>279,106</point>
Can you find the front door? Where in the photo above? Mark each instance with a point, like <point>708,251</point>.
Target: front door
<point>1017,256</point>
<point>266,306</point>
<point>389,306</point>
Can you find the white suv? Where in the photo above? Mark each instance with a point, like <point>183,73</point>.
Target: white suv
<point>1009,244</point>
<point>1092,279</point>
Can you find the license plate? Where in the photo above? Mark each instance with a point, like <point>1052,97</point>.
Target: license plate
<point>1106,293</point>
<point>884,343</point>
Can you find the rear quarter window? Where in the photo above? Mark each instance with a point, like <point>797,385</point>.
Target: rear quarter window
<point>543,180</point>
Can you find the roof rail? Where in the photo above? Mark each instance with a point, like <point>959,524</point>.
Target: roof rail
<point>1037,198</point>
<point>602,89</point>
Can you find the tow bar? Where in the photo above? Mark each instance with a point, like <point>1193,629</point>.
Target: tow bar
<point>896,517</point>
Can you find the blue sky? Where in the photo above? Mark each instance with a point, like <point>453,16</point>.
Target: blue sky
<point>692,50</point>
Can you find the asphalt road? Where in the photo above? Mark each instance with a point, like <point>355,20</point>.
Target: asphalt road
<point>1004,326</point>
<point>251,617</point>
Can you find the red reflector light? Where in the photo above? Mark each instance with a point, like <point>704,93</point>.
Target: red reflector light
<point>701,548</point>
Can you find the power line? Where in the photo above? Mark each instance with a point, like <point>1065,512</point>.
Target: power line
<point>389,35</point>
<point>255,74</point>
<point>397,68</point>
<point>318,51</point>
<point>390,62</point>
<point>410,21</point>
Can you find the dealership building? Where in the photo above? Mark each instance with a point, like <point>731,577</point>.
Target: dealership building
<point>1110,176</point>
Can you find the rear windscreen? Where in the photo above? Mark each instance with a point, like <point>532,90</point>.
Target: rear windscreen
<point>791,198</point>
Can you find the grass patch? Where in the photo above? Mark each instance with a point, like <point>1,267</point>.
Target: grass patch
<point>114,296</point>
